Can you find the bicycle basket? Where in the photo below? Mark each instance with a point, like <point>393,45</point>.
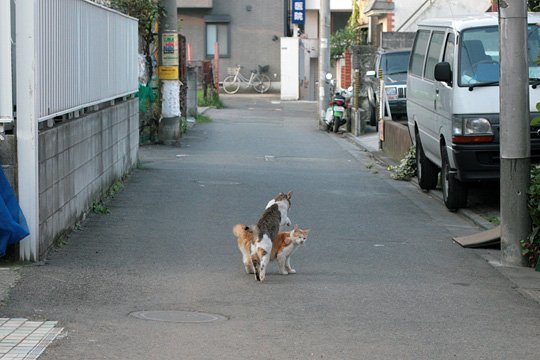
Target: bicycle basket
<point>231,71</point>
<point>263,69</point>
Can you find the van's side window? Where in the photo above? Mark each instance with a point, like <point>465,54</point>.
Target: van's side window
<point>419,51</point>
<point>434,54</point>
<point>449,51</point>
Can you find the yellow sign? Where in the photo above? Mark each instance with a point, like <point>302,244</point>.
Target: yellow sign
<point>168,72</point>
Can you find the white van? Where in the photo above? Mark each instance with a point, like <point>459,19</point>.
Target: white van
<point>453,101</point>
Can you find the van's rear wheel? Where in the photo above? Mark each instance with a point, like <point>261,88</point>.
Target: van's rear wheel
<point>454,191</point>
<point>426,170</point>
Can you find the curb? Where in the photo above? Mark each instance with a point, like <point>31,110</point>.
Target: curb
<point>526,280</point>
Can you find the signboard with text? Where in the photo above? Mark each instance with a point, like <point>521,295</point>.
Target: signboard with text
<point>298,11</point>
<point>169,49</point>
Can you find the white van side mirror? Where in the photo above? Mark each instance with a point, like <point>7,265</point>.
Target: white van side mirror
<point>443,72</point>
<point>371,73</point>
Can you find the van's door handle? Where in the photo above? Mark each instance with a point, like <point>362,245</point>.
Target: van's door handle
<point>435,99</point>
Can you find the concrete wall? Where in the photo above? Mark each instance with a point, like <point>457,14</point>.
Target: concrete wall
<point>335,5</point>
<point>79,160</point>
<point>397,141</point>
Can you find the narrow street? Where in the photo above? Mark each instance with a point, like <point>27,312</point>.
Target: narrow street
<point>160,276</point>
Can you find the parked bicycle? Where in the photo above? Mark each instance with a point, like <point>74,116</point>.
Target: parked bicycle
<point>258,80</point>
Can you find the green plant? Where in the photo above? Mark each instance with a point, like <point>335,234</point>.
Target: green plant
<point>406,168</point>
<point>149,114</point>
<point>530,247</point>
<point>183,125</point>
<point>534,5</point>
<point>493,219</point>
<point>147,12</point>
<point>115,188</point>
<point>211,99</point>
<point>99,208</point>
<point>342,40</point>
<point>202,119</point>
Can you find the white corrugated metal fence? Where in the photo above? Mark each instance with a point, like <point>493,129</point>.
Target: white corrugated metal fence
<point>86,54</point>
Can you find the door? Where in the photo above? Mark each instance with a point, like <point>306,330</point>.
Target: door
<point>444,93</point>
<point>433,125</point>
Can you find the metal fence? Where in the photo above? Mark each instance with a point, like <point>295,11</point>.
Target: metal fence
<point>86,55</point>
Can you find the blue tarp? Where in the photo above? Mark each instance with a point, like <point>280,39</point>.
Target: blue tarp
<point>13,227</point>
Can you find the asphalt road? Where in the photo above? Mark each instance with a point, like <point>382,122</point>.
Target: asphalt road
<point>379,277</point>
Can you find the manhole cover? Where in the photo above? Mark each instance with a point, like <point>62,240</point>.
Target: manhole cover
<point>178,316</point>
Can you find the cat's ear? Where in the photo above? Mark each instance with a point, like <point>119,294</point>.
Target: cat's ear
<point>295,227</point>
<point>289,194</point>
<point>306,231</point>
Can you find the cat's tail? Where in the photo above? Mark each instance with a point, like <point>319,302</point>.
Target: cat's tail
<point>240,229</point>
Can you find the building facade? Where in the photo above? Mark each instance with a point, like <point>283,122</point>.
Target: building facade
<point>247,32</point>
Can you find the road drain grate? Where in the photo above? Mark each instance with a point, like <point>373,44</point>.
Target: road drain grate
<point>177,316</point>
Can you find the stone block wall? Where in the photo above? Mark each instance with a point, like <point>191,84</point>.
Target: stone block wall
<point>8,158</point>
<point>79,160</point>
<point>397,40</point>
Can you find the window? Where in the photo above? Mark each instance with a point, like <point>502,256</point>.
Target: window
<point>479,56</point>
<point>433,54</point>
<point>449,51</point>
<point>417,57</point>
<point>217,30</point>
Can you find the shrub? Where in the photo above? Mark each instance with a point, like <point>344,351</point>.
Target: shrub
<point>211,99</point>
<point>406,168</point>
<point>530,247</point>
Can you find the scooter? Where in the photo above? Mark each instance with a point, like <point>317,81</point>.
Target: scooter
<point>335,113</point>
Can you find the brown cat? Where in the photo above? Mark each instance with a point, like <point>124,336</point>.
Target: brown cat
<point>283,246</point>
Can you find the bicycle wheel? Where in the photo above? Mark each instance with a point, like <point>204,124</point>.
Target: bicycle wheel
<point>231,84</point>
<point>261,83</point>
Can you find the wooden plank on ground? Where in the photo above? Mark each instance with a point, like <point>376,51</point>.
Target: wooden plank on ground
<point>485,238</point>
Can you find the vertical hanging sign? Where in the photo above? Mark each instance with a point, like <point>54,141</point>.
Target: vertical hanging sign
<point>169,57</point>
<point>298,11</point>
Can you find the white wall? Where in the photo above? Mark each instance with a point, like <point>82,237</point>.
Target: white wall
<point>290,74</point>
<point>404,9</point>
<point>334,5</point>
<point>311,27</point>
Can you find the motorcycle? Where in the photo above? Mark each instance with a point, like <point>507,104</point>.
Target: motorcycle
<point>335,113</point>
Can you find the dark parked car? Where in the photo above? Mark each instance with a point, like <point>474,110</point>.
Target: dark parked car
<point>394,64</point>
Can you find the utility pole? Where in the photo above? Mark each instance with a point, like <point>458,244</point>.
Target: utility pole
<point>27,124</point>
<point>514,130</point>
<point>324,57</point>
<point>169,127</point>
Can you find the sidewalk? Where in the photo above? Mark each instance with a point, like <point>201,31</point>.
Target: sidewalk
<point>527,280</point>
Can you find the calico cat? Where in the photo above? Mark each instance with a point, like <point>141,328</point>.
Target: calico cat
<point>266,230</point>
<point>283,246</point>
